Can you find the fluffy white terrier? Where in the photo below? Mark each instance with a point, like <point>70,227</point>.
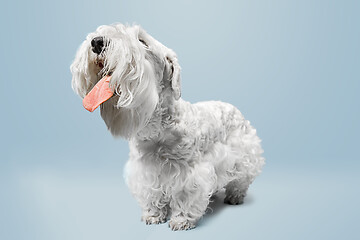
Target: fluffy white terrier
<point>180,153</point>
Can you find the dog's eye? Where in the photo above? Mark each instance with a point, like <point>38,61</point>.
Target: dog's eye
<point>143,42</point>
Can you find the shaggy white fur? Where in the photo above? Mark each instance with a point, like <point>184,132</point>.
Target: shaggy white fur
<point>180,153</point>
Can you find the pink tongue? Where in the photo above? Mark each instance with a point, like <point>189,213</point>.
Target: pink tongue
<point>99,94</point>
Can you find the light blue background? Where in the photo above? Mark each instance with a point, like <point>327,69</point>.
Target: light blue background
<point>291,67</point>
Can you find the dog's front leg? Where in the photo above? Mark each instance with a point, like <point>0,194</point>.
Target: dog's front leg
<point>154,215</point>
<point>189,202</point>
<point>153,204</point>
<point>148,193</point>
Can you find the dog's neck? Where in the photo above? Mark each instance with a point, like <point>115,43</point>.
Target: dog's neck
<point>163,121</point>
<point>163,136</point>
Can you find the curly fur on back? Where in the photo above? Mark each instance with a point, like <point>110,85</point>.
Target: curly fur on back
<point>180,153</point>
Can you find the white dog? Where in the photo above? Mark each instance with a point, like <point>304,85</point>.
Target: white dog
<point>180,153</point>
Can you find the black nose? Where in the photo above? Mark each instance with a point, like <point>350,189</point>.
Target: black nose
<point>97,44</point>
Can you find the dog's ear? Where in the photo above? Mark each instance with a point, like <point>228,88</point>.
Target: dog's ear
<point>174,78</point>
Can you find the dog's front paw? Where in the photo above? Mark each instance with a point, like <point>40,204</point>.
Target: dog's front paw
<point>180,223</point>
<point>153,219</point>
<point>151,216</point>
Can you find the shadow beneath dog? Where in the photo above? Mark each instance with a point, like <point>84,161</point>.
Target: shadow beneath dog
<point>217,205</point>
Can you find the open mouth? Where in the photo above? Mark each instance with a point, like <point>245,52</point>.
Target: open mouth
<point>101,92</point>
<point>100,63</point>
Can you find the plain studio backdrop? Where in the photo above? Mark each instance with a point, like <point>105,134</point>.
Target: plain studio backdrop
<point>291,67</point>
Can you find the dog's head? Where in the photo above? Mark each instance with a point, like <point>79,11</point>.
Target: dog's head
<point>141,69</point>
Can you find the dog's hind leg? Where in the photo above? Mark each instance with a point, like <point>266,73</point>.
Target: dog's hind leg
<point>235,191</point>
<point>248,162</point>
